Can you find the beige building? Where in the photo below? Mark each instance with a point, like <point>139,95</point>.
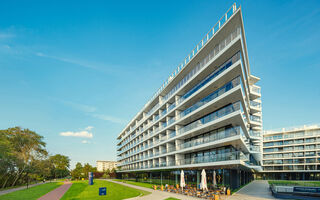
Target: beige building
<point>105,165</point>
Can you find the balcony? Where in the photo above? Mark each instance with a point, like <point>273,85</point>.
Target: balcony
<point>237,155</point>
<point>211,117</point>
<point>255,106</point>
<point>219,135</point>
<point>255,92</point>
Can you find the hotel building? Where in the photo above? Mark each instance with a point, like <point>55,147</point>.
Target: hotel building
<point>206,115</point>
<point>103,166</point>
<point>292,154</point>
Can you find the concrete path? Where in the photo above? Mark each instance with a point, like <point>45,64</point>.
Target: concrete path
<point>2,192</point>
<point>57,193</point>
<point>155,194</point>
<point>256,190</point>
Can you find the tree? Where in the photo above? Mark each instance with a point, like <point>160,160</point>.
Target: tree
<point>77,172</point>
<point>23,156</point>
<point>61,165</point>
<point>27,146</point>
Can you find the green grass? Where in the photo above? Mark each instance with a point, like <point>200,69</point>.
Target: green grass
<point>146,185</point>
<point>171,198</point>
<point>81,190</point>
<point>296,183</point>
<point>31,193</point>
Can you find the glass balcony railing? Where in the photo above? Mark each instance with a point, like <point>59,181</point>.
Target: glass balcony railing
<point>237,155</point>
<point>235,82</point>
<point>255,104</point>
<point>211,117</point>
<point>255,133</point>
<point>211,76</point>
<point>255,89</point>
<point>254,148</point>
<point>214,136</point>
<point>172,134</point>
<point>255,118</point>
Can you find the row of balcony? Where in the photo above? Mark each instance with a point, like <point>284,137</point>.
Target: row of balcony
<point>207,138</point>
<point>195,71</point>
<point>235,82</point>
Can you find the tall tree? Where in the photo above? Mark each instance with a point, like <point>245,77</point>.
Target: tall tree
<point>27,146</point>
<point>61,165</point>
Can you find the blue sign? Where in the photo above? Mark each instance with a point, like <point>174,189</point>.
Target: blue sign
<point>102,191</point>
<point>90,178</point>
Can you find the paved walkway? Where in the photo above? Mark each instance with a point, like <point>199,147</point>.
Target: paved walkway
<point>256,190</point>
<point>2,192</point>
<point>57,193</point>
<point>155,194</point>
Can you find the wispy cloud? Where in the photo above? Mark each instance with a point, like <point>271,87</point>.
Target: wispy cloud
<point>4,36</point>
<point>78,106</point>
<point>73,61</point>
<point>85,142</point>
<point>91,111</point>
<point>109,118</point>
<point>82,134</point>
<point>89,128</point>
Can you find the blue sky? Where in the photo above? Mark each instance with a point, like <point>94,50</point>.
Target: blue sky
<point>85,68</point>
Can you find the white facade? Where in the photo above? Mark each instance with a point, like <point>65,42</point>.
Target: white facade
<point>103,166</point>
<point>292,150</point>
<point>207,114</point>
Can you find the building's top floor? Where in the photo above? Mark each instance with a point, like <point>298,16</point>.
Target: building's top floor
<point>234,18</point>
<point>292,132</point>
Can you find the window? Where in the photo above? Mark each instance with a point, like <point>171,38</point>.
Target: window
<point>310,153</point>
<point>310,160</point>
<point>299,148</point>
<point>287,142</point>
<point>288,161</point>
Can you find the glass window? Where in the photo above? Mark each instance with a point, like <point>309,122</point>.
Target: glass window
<point>310,153</point>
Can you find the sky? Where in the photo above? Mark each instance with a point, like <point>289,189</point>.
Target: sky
<point>77,71</point>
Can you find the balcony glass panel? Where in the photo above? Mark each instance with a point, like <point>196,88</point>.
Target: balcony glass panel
<point>213,158</point>
<point>211,117</point>
<point>235,82</point>
<point>211,76</point>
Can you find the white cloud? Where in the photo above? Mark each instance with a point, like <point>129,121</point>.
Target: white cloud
<point>89,128</point>
<point>82,134</point>
<point>85,142</point>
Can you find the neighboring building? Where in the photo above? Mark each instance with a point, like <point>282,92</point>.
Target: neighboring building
<point>292,154</point>
<point>105,165</point>
<point>207,115</point>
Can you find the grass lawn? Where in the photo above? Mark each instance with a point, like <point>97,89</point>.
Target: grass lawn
<point>31,193</point>
<point>81,190</point>
<point>171,198</point>
<point>297,183</point>
<point>146,185</point>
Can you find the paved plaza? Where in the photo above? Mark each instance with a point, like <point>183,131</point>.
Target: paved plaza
<point>256,190</point>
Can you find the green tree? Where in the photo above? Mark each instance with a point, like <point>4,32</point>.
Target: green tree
<point>27,146</point>
<point>77,172</point>
<point>61,165</point>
